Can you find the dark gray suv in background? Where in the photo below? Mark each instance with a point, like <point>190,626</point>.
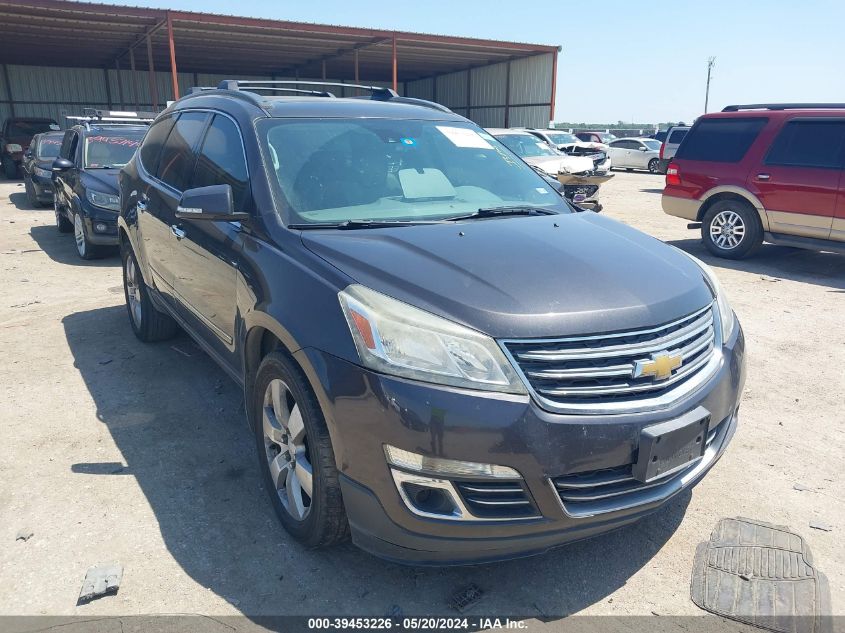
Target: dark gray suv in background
<point>438,353</point>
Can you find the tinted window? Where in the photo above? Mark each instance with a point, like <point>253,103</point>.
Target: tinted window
<point>69,145</point>
<point>652,145</point>
<point>153,142</point>
<point>177,156</point>
<point>107,149</point>
<point>677,136</point>
<point>720,140</point>
<point>28,129</point>
<point>809,144</point>
<point>221,160</point>
<point>526,145</point>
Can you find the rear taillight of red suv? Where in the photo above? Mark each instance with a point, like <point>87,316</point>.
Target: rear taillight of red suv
<point>673,174</point>
<point>662,147</point>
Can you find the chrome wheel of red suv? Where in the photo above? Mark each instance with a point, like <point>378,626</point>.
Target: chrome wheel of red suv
<point>731,229</point>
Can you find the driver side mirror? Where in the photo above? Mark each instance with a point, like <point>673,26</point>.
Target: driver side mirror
<point>61,164</point>
<point>209,203</point>
<point>643,148</point>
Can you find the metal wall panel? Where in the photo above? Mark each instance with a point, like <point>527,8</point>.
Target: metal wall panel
<point>488,85</point>
<point>529,116</point>
<point>531,80</point>
<point>489,117</point>
<point>452,90</point>
<point>421,89</point>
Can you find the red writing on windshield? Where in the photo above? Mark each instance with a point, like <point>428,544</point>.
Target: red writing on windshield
<point>114,140</point>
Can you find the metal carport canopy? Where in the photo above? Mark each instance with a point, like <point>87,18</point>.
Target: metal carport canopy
<point>80,34</point>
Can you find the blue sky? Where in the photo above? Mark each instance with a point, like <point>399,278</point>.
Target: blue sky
<point>621,60</point>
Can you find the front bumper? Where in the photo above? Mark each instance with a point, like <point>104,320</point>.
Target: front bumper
<point>365,410</point>
<point>42,188</point>
<point>100,225</point>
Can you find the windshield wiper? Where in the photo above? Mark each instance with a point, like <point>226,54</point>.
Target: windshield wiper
<point>362,224</point>
<point>495,212</point>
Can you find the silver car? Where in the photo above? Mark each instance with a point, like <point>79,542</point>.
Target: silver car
<point>635,153</point>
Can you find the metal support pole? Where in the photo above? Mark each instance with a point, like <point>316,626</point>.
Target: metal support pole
<point>152,74</point>
<point>508,93</point>
<point>711,61</point>
<point>119,82</point>
<point>469,92</point>
<point>9,90</point>
<point>554,88</point>
<point>134,78</point>
<point>323,70</point>
<point>355,57</point>
<point>173,75</point>
<point>395,65</point>
<point>108,88</point>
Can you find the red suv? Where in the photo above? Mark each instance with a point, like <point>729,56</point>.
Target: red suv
<point>763,172</point>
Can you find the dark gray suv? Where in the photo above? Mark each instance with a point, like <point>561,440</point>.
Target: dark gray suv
<point>438,354</point>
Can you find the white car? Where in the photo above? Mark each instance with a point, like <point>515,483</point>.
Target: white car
<point>635,153</point>
<point>537,153</point>
<point>570,144</point>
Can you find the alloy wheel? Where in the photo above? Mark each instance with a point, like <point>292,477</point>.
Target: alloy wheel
<point>727,229</point>
<point>286,449</point>
<point>79,234</point>
<point>133,290</point>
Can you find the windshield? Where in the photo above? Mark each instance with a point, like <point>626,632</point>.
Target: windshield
<point>109,149</point>
<point>653,144</point>
<point>48,146</point>
<point>562,138</point>
<point>607,138</point>
<point>28,129</point>
<point>526,145</point>
<point>331,171</point>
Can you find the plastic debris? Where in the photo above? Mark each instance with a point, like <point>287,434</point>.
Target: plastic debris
<point>101,580</point>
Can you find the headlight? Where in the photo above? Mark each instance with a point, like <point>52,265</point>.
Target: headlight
<point>726,314</point>
<point>44,173</point>
<point>395,338</point>
<point>13,147</point>
<point>103,200</point>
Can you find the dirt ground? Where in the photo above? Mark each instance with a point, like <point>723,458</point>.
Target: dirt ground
<point>117,451</point>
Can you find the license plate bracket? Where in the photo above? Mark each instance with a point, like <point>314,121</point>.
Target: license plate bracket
<point>671,446</point>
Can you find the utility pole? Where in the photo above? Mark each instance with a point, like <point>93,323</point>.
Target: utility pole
<point>711,61</point>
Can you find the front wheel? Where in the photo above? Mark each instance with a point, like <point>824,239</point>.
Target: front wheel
<point>10,169</point>
<point>147,322</point>
<point>654,165</point>
<point>84,248</point>
<point>30,192</point>
<point>731,229</point>
<point>295,454</point>
<point>62,223</point>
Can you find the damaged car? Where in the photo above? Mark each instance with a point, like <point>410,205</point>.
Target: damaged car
<point>37,165</point>
<point>576,174</point>
<point>571,144</point>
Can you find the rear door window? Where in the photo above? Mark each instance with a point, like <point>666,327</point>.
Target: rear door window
<point>817,143</point>
<point>177,156</point>
<point>153,142</point>
<point>677,136</point>
<point>221,161</point>
<point>721,140</point>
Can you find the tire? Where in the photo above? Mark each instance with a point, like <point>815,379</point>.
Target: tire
<point>84,248</point>
<point>148,323</point>
<point>10,170</point>
<point>654,166</point>
<point>289,423</point>
<point>731,229</point>
<point>30,193</point>
<point>63,225</point>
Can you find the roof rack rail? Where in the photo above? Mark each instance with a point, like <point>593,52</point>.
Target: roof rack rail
<point>378,92</point>
<point>96,115</point>
<point>785,106</point>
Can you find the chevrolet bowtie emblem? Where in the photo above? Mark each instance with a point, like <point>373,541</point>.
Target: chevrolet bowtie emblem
<point>660,365</point>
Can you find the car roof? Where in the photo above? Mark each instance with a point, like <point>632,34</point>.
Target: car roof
<point>110,127</point>
<point>777,111</point>
<point>314,106</point>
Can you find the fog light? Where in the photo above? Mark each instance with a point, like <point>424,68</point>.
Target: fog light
<point>430,497</point>
<point>100,227</point>
<point>448,467</point>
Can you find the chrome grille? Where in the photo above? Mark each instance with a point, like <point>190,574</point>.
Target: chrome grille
<point>580,373</point>
<point>495,499</point>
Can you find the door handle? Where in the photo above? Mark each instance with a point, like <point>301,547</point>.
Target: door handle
<point>179,233</point>
<point>763,176</point>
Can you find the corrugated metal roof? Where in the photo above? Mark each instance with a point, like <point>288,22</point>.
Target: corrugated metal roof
<point>85,34</point>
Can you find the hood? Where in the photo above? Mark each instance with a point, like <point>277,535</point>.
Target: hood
<point>555,164</point>
<point>524,277</point>
<point>104,180</point>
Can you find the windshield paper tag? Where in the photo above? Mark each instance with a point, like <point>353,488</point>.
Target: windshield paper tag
<point>464,137</point>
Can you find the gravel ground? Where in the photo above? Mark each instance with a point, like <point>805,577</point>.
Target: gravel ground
<point>117,451</point>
